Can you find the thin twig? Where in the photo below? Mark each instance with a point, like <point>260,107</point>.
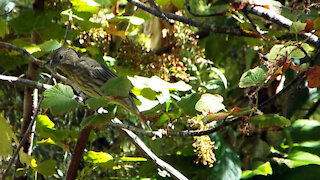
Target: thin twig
<point>68,29</point>
<point>162,132</point>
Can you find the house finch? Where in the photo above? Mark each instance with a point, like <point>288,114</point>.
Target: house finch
<point>89,75</point>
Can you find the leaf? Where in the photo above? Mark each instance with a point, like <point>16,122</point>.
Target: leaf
<point>95,103</point>
<point>157,84</point>
<point>209,104</point>
<point>25,158</point>
<point>133,159</point>
<point>148,93</point>
<point>85,5</point>
<point>309,26</point>
<point>263,169</point>
<point>178,3</point>
<point>46,167</point>
<point>269,120</point>
<point>44,121</point>
<point>162,2</point>
<point>6,136</point>
<point>253,77</point>
<point>132,19</point>
<point>301,158</point>
<point>119,86</point>
<point>296,27</point>
<point>187,104</point>
<point>97,157</point>
<point>313,76</point>
<point>3,28</point>
<point>59,99</point>
<point>97,120</point>
<point>49,45</point>
<point>228,166</point>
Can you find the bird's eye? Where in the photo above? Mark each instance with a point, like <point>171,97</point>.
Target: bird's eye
<point>60,56</point>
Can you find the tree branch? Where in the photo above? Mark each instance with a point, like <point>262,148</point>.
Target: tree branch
<point>281,21</point>
<point>149,154</point>
<point>193,22</point>
<point>24,82</point>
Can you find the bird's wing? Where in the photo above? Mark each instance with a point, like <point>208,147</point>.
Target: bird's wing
<point>98,70</point>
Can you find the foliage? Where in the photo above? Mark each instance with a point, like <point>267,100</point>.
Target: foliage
<point>261,89</point>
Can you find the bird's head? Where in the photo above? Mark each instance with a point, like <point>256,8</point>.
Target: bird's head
<point>63,55</point>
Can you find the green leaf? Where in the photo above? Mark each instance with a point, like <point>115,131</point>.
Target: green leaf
<point>178,3</point>
<point>148,93</point>
<point>97,120</point>
<point>209,104</point>
<point>269,120</point>
<point>187,104</point>
<point>49,45</point>
<point>253,77</point>
<point>6,136</point>
<point>119,86</point>
<point>133,159</point>
<point>59,99</point>
<point>85,5</point>
<point>296,27</point>
<point>228,167</point>
<point>301,158</point>
<point>97,157</point>
<point>44,121</point>
<point>162,2</point>
<point>95,103</point>
<point>46,167</point>
<point>263,169</point>
<point>3,28</point>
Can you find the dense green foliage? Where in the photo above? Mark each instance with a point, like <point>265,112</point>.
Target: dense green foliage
<point>184,77</point>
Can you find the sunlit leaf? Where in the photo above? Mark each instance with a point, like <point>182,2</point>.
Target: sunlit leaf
<point>253,77</point>
<point>301,158</point>
<point>59,99</point>
<point>209,104</point>
<point>298,26</point>
<point>263,169</point>
<point>6,136</point>
<point>133,159</point>
<point>97,157</point>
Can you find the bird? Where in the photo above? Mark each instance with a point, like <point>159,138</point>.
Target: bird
<point>89,76</point>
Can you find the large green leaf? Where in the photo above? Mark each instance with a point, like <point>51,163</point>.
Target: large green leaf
<point>269,120</point>
<point>59,99</point>
<point>6,136</point>
<point>46,167</point>
<point>253,77</point>
<point>95,103</point>
<point>299,158</point>
<point>119,86</point>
